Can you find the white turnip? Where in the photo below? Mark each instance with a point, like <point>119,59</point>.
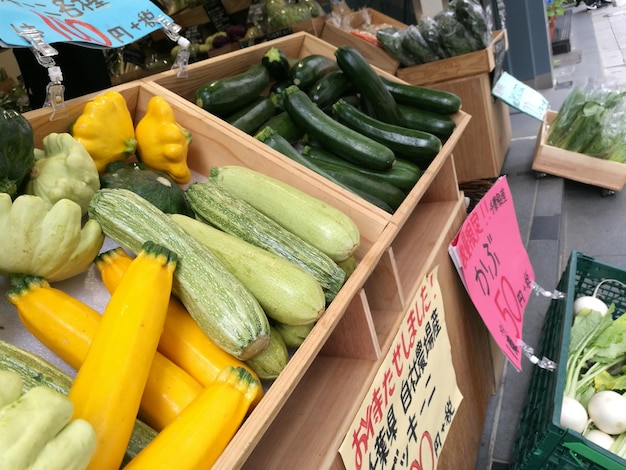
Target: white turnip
<point>607,410</point>
<point>600,438</point>
<point>573,415</point>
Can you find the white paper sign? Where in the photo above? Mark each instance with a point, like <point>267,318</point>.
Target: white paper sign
<point>405,416</point>
<point>520,96</point>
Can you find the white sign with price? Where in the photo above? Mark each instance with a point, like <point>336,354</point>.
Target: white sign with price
<point>520,96</point>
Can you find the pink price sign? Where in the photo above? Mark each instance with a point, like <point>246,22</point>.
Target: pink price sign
<point>494,266</point>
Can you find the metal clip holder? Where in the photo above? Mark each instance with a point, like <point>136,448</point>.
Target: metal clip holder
<point>55,90</point>
<point>172,31</point>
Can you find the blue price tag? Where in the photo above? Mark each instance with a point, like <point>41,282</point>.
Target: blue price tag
<point>105,24</point>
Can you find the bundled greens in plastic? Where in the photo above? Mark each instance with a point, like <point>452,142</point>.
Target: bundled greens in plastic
<point>473,16</point>
<point>391,38</point>
<point>591,122</point>
<point>415,44</point>
<point>429,30</point>
<point>454,38</point>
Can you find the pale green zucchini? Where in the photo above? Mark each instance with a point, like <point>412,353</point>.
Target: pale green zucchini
<point>270,363</point>
<point>218,207</point>
<point>325,227</point>
<point>221,306</point>
<point>36,371</point>
<point>286,292</point>
<point>293,335</point>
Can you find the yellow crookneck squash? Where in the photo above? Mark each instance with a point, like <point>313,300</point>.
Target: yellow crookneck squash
<point>106,129</point>
<point>162,143</point>
<point>108,387</point>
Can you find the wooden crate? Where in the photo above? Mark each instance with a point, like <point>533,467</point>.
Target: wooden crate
<point>305,414</point>
<point>374,54</point>
<point>481,150</point>
<point>474,63</point>
<point>575,166</point>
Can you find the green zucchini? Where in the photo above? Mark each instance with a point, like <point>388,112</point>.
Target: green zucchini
<point>427,99</point>
<point>221,306</point>
<point>369,84</point>
<point>268,364</point>
<point>440,125</point>
<point>403,174</point>
<point>280,144</point>
<point>335,136</point>
<point>322,225</point>
<point>276,63</point>
<point>286,292</point>
<point>293,335</point>
<point>308,70</point>
<point>284,125</point>
<point>330,88</point>
<point>416,146</point>
<point>36,371</point>
<point>216,206</point>
<point>390,195</point>
<point>224,96</point>
<point>251,117</point>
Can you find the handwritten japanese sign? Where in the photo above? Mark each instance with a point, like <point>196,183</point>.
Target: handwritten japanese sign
<point>520,96</point>
<point>404,419</point>
<point>95,23</point>
<point>491,259</point>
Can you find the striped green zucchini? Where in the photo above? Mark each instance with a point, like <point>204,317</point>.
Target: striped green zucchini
<point>286,292</point>
<point>36,371</point>
<point>223,308</point>
<point>217,206</point>
<point>315,221</point>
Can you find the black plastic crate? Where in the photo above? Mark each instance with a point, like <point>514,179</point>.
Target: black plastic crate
<point>541,441</point>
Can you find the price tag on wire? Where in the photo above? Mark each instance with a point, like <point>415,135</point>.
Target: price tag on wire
<point>493,263</point>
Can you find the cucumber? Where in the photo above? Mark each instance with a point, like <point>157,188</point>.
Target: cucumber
<point>336,137</point>
<point>36,371</point>
<point>270,363</point>
<point>416,146</point>
<point>440,125</point>
<point>369,84</point>
<point>424,98</point>
<point>216,206</point>
<point>251,117</point>
<point>284,125</point>
<point>308,70</point>
<point>403,174</point>
<point>391,196</point>
<point>330,88</point>
<point>276,63</point>
<point>286,292</point>
<point>325,227</point>
<point>221,306</point>
<point>224,96</point>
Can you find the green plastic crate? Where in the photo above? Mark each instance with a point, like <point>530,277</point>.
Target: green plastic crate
<point>541,441</point>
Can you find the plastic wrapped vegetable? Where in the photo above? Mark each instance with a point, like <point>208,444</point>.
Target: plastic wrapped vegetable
<point>63,170</point>
<point>415,44</point>
<point>283,13</point>
<point>429,30</point>
<point>455,39</point>
<point>391,39</point>
<point>47,242</point>
<point>16,151</point>
<point>473,16</point>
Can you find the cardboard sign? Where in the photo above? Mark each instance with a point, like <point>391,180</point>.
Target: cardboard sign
<point>520,96</point>
<point>96,23</point>
<point>491,259</point>
<point>404,419</point>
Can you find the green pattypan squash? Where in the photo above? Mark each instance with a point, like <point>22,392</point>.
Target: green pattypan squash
<point>49,242</point>
<point>16,151</point>
<point>63,170</point>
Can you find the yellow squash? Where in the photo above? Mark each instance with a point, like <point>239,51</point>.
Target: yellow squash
<point>162,143</point>
<point>108,387</point>
<point>67,326</point>
<point>106,129</point>
<point>182,341</point>
<point>196,439</point>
